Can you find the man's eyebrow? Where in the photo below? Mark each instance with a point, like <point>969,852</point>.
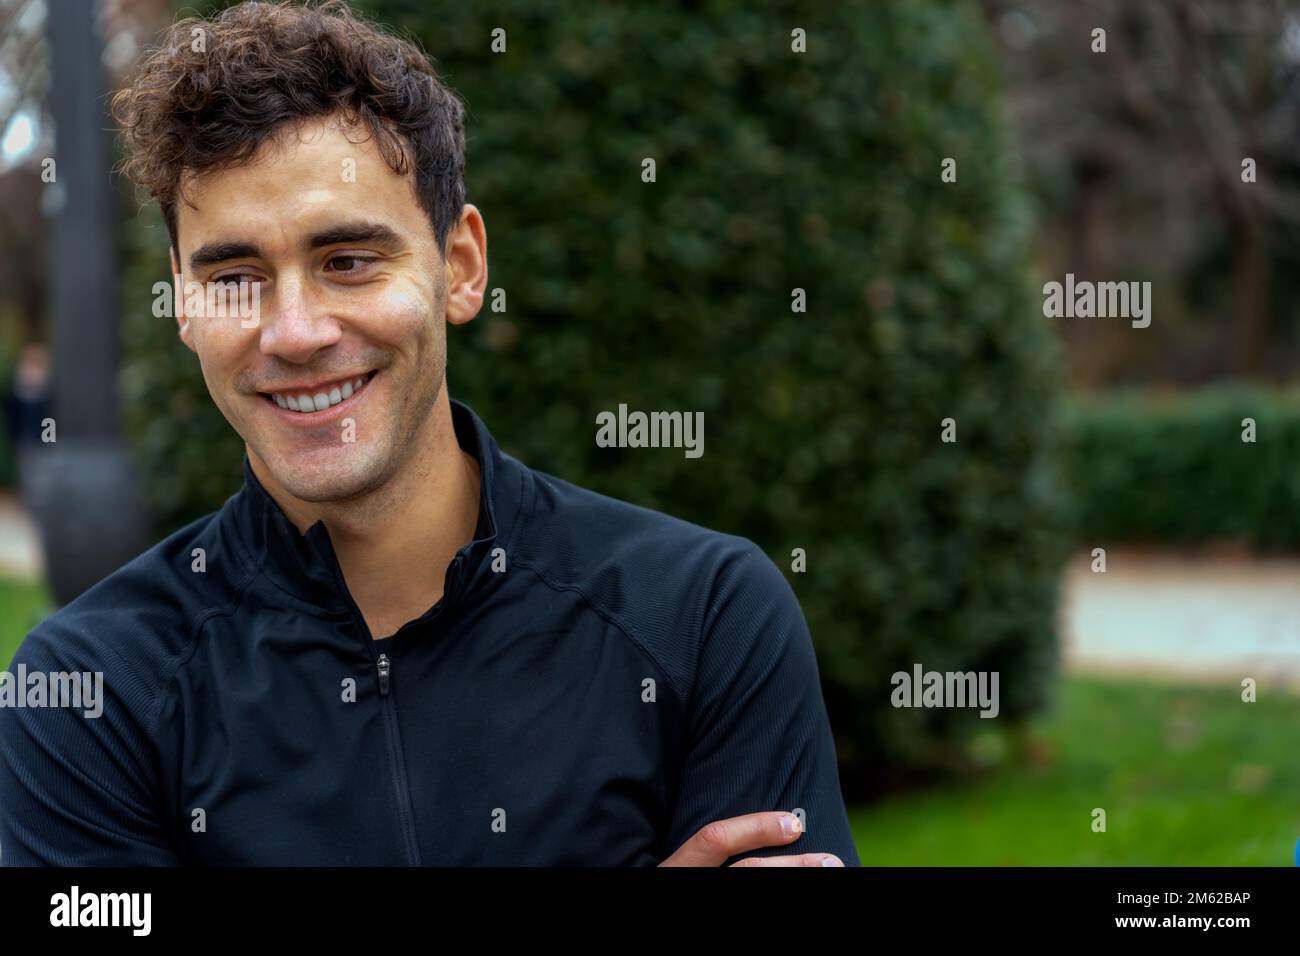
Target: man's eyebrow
<point>354,232</point>
<point>215,252</point>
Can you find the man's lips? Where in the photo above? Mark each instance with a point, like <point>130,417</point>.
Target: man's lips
<point>315,402</point>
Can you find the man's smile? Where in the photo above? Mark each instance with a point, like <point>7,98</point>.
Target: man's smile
<point>318,402</point>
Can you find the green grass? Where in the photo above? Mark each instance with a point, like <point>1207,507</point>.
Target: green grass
<point>1187,777</point>
<point>22,606</point>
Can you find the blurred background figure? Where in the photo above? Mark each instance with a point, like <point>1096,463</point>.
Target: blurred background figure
<point>26,409</point>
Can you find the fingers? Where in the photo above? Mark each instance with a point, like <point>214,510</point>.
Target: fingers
<point>718,841</point>
<point>803,859</point>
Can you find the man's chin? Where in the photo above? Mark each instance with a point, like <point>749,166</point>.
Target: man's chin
<point>323,478</point>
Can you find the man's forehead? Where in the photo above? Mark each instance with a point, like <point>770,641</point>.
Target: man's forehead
<point>308,168</point>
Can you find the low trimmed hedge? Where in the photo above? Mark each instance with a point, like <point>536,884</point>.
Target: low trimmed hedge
<point>1172,468</point>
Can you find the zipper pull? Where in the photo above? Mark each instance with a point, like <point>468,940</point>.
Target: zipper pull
<point>385,668</point>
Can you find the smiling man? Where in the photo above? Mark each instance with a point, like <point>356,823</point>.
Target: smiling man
<point>395,644</point>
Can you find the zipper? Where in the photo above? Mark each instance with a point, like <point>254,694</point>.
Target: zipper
<point>388,706</point>
<point>405,813</point>
<point>384,670</point>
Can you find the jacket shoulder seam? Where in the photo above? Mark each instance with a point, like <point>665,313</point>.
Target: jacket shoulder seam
<point>610,618</point>
<point>197,624</point>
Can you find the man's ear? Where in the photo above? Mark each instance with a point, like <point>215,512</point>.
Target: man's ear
<point>178,303</point>
<point>465,261</point>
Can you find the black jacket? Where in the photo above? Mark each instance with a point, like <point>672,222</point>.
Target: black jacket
<point>594,692</point>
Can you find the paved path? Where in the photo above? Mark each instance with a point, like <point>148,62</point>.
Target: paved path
<point>1212,618</point>
<point>20,549</point>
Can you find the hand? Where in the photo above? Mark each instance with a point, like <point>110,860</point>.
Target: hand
<point>714,843</point>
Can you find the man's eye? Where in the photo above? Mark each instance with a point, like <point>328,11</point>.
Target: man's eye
<point>350,265</point>
<point>235,279</point>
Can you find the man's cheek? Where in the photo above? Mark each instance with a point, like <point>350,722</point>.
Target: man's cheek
<point>221,390</point>
<point>403,309</point>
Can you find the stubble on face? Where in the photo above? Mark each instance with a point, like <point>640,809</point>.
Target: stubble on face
<point>402,426</point>
<point>408,441</point>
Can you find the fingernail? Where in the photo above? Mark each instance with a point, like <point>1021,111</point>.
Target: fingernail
<point>829,860</point>
<point>790,824</point>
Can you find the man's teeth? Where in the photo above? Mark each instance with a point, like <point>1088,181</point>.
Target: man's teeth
<point>318,402</point>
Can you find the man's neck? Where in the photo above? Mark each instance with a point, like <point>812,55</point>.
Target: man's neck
<point>394,544</point>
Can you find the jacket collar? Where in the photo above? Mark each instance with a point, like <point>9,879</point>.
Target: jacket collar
<point>306,566</point>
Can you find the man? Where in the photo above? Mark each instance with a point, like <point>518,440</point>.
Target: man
<point>395,644</point>
<point>27,408</point>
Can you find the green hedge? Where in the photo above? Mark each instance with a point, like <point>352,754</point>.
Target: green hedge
<point>1173,468</point>
<point>819,171</point>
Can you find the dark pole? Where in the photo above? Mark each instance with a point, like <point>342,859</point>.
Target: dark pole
<point>87,500</point>
<point>82,286</point>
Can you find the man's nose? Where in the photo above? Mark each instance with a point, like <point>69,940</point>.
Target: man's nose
<point>296,323</point>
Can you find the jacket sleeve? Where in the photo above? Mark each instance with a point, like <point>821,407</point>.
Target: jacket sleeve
<point>78,790</point>
<point>758,737</point>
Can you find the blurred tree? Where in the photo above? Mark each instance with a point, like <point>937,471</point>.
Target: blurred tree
<point>1139,153</point>
<point>24,139</point>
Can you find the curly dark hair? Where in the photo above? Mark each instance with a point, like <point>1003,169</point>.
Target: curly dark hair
<point>214,89</point>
